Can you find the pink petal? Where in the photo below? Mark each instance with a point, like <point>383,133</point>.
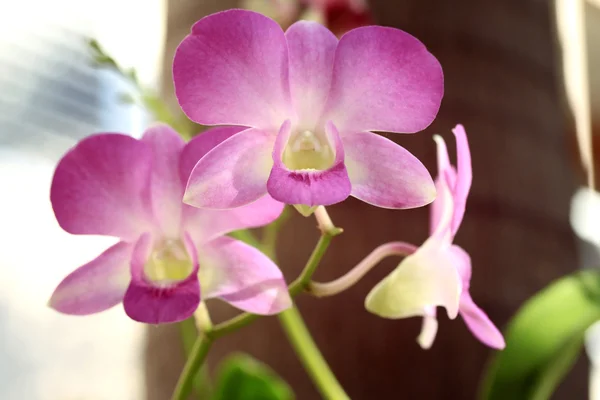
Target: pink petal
<point>204,225</point>
<point>101,187</point>
<point>464,176</point>
<point>151,303</point>
<point>385,174</point>
<point>97,285</point>
<point>201,144</point>
<point>443,165</point>
<point>442,209</point>
<point>479,323</point>
<point>436,208</point>
<point>232,174</point>
<point>383,79</point>
<point>443,160</point>
<point>463,265</point>
<point>166,187</point>
<point>242,276</point>
<point>311,49</point>
<point>233,70</point>
<point>309,187</point>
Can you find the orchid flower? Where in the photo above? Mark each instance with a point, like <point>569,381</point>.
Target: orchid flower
<point>308,103</point>
<point>439,272</point>
<point>170,255</point>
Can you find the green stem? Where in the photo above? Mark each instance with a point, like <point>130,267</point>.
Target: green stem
<point>310,356</point>
<point>195,361</point>
<point>303,280</point>
<point>270,232</point>
<point>189,334</point>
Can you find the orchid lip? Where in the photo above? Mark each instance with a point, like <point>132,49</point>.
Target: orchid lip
<point>168,263</point>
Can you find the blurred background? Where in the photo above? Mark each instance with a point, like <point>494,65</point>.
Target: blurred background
<point>514,78</point>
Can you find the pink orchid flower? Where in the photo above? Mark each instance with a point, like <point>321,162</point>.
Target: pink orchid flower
<point>170,255</point>
<point>439,272</point>
<point>308,103</point>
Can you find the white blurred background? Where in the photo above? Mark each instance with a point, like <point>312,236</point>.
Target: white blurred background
<point>50,97</point>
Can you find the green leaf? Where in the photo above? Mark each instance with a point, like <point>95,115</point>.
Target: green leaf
<point>241,377</point>
<point>556,368</point>
<point>544,339</point>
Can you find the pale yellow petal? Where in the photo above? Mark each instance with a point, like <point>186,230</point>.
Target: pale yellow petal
<point>427,278</point>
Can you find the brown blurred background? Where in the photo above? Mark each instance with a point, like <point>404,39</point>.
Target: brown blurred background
<point>503,80</point>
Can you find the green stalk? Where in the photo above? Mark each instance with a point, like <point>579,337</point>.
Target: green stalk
<point>193,364</point>
<point>310,356</point>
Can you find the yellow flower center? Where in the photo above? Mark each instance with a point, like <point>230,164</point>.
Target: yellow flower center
<point>169,262</point>
<point>306,150</point>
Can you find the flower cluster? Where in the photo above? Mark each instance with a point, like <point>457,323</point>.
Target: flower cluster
<point>298,111</point>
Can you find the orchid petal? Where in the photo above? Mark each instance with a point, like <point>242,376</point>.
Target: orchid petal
<point>233,70</point>
<point>204,225</point>
<point>200,145</point>
<point>166,187</point>
<point>475,318</point>
<point>464,176</point>
<point>101,187</point>
<point>443,160</point>
<point>428,329</point>
<point>232,174</point>
<point>463,265</point>
<point>155,303</point>
<point>424,279</point>
<point>442,208</point>
<point>436,210</point>
<point>311,49</point>
<point>385,174</point>
<point>383,79</point>
<point>479,323</point>
<point>242,276</point>
<point>309,187</point>
<point>97,285</point>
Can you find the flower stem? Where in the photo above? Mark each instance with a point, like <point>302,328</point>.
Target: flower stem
<point>311,266</point>
<point>295,328</point>
<point>310,356</point>
<point>189,333</point>
<point>194,363</point>
<point>268,243</point>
